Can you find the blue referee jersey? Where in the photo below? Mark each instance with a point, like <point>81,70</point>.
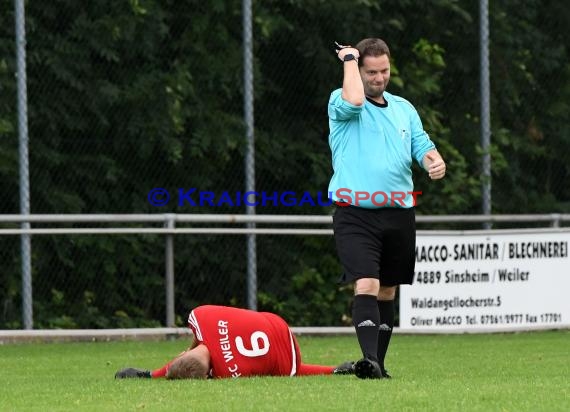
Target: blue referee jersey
<point>372,149</point>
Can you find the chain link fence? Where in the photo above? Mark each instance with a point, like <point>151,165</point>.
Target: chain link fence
<point>138,107</point>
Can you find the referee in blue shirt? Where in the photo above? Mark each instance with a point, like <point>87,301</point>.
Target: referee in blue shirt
<point>374,137</point>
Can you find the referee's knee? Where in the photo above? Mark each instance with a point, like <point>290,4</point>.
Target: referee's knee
<point>387,293</point>
<point>367,286</point>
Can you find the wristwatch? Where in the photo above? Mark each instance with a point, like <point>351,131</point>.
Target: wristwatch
<point>349,57</point>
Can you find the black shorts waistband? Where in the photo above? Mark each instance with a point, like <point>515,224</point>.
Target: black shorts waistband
<point>341,204</point>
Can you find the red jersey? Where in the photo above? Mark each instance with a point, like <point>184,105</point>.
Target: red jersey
<point>243,342</point>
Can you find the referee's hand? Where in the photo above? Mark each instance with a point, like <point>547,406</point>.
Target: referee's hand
<point>342,51</point>
<point>436,167</point>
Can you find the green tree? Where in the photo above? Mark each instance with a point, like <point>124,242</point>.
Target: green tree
<point>129,96</point>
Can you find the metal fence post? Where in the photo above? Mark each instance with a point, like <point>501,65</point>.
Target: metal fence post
<point>485,109</point>
<point>169,276</point>
<point>250,153</point>
<point>26,241</point>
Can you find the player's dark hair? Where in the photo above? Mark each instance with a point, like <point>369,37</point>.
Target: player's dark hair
<point>372,47</point>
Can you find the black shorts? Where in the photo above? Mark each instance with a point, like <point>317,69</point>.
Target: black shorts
<point>376,243</point>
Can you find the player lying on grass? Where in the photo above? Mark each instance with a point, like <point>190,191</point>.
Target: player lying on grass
<point>231,342</point>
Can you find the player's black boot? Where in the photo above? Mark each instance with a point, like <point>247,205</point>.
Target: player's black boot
<point>346,368</point>
<point>132,373</point>
<point>367,369</point>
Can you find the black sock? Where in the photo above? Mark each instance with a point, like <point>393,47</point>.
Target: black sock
<point>366,318</point>
<point>386,309</point>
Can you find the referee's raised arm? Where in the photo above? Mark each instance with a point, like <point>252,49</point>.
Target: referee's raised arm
<point>352,87</point>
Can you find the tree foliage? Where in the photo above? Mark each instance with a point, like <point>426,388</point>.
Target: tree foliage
<point>127,96</point>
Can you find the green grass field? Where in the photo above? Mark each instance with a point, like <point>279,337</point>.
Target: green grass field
<point>497,372</point>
